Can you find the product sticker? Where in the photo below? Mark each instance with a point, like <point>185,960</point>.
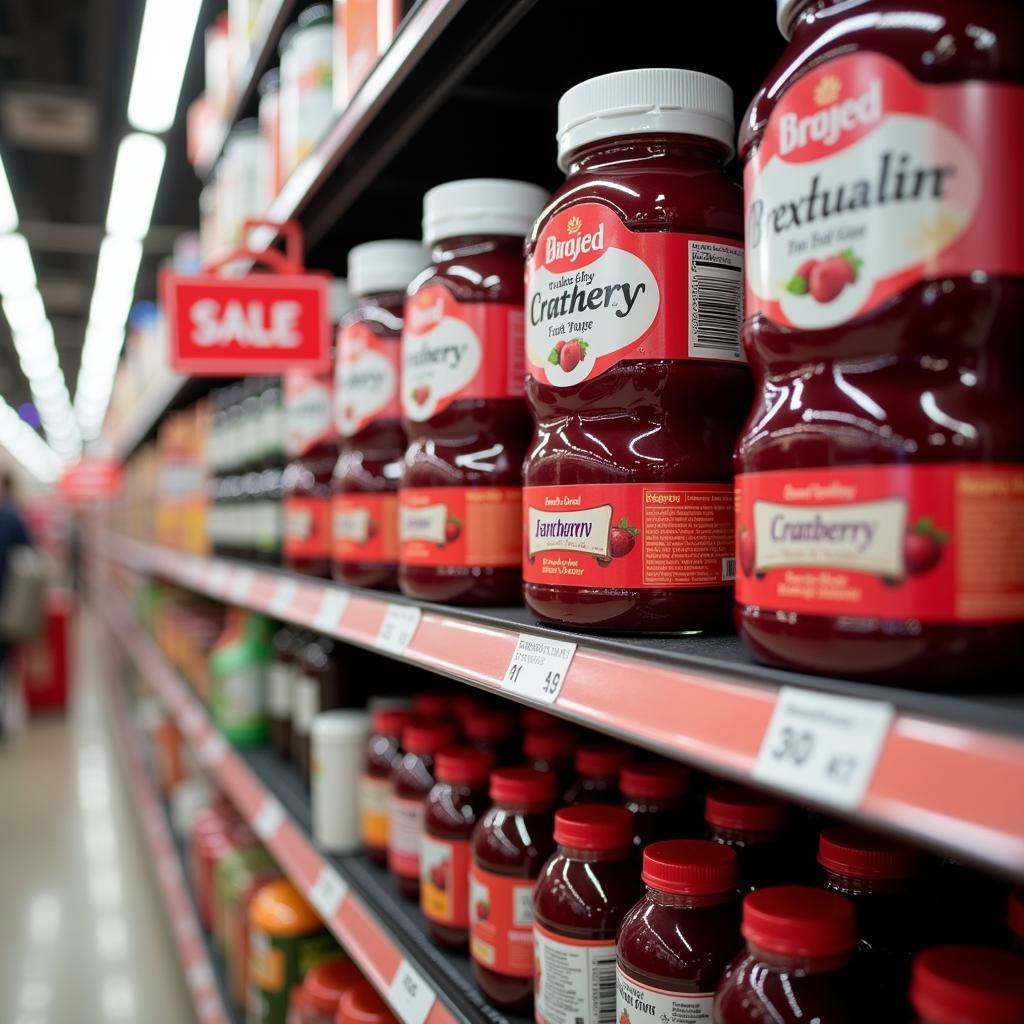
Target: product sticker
<point>453,350</point>
<point>444,880</point>
<point>629,535</point>
<point>598,293</point>
<point>307,412</point>
<point>575,979</point>
<point>307,527</point>
<point>366,379</point>
<point>464,526</point>
<point>405,829</point>
<point>501,922</point>
<point>364,527</point>
<point>868,181</point>
<point>374,811</point>
<point>641,1004</point>
<point>928,543</point>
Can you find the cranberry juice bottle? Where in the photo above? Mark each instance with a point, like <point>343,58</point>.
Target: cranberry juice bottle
<point>582,894</point>
<point>879,475</point>
<point>968,985</point>
<point>497,731</point>
<point>383,755</point>
<point>635,375</point>
<point>754,826</point>
<point>551,751</point>
<point>462,396</point>
<point>368,415</point>
<point>656,793</point>
<point>676,942</point>
<point>597,774</point>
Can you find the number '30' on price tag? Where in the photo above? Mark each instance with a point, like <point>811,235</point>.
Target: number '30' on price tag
<point>409,995</point>
<point>822,746</point>
<point>538,667</point>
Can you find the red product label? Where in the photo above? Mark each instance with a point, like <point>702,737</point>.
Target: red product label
<point>453,350</point>
<point>307,527</point>
<point>867,181</point>
<point>501,922</point>
<point>464,526</point>
<point>364,527</point>
<point>307,411</point>
<point>598,293</point>
<point>629,535</point>
<point>365,379</point>
<point>444,880</point>
<point>938,543</point>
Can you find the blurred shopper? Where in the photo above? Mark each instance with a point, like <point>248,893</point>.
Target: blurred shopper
<point>13,534</point>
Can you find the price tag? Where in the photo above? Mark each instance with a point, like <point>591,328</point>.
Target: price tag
<point>213,749</point>
<point>538,667</point>
<point>822,746</point>
<point>284,595</point>
<point>328,891</point>
<point>200,976</point>
<point>191,719</point>
<point>217,578</point>
<point>268,819</point>
<point>332,608</point>
<point>409,995</point>
<point>241,586</point>
<point>398,628</point>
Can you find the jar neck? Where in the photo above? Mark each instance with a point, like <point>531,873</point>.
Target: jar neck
<point>468,246</point>
<point>392,299</point>
<point>804,19</point>
<point>804,964</point>
<point>852,886</point>
<point>687,901</point>
<point>593,856</point>
<point>634,149</point>
<point>523,808</point>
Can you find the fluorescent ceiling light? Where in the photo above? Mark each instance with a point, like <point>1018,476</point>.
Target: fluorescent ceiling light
<point>140,163</point>
<point>8,211</point>
<point>27,446</point>
<point>24,310</point>
<point>17,272</point>
<point>116,272</point>
<point>168,27</point>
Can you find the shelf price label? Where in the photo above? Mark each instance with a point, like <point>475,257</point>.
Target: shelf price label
<point>332,608</point>
<point>217,578</point>
<point>268,819</point>
<point>213,748</point>
<point>398,628</point>
<point>538,667</point>
<point>328,891</point>
<point>822,746</point>
<point>284,595</point>
<point>241,586</point>
<point>409,995</point>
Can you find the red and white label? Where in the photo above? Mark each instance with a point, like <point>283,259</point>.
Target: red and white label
<point>307,527</point>
<point>366,379</point>
<point>575,979</point>
<point>867,181</point>
<point>935,543</point>
<point>464,526</point>
<point>405,830</point>
<point>641,1004</point>
<point>453,350</point>
<point>307,412</point>
<point>364,527</point>
<point>629,535</point>
<point>444,880</point>
<point>501,922</point>
<point>598,293</point>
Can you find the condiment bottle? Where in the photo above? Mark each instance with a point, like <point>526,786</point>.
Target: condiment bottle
<point>437,706</point>
<point>497,731</point>
<point>362,1005</point>
<point>754,826</point>
<point>383,755</point>
<point>1015,919</point>
<point>656,793</point>
<point>551,751</point>
<point>968,985</point>
<point>597,774</point>
<point>323,987</point>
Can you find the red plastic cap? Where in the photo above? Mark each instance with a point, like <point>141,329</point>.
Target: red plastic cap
<point>427,737</point>
<point>361,1005</point>
<point>796,920</point>
<point>535,720</point>
<point>553,745</point>
<point>968,985</point>
<point>391,723</point>
<point>432,705</point>
<point>465,705</point>
<point>327,983</point>
<point>465,766</point>
<point>858,853</point>
<point>594,827</point>
<point>490,726</point>
<point>523,786</point>
<point>655,780</point>
<point>601,761</point>
<point>690,867</point>
<point>1015,913</point>
<point>744,810</point>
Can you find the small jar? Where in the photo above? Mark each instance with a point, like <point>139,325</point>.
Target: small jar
<point>581,896</point>
<point>597,774</point>
<point>510,845</point>
<point>434,706</point>
<point>496,731</point>
<point>796,965</point>
<point>411,781</point>
<point>676,942</point>
<point>551,751</point>
<point>323,988</point>
<point>754,826</point>
<point>324,684</point>
<point>968,985</point>
<point>338,740</point>
<point>280,679</point>
<point>454,805</point>
<point>383,754</point>
<point>362,1005</point>
<point>656,792</point>
<point>1015,920</point>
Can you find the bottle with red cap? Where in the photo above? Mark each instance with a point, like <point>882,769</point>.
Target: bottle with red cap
<point>597,774</point>
<point>435,706</point>
<point>497,731</point>
<point>796,967</point>
<point>1015,920</point>
<point>582,894</point>
<point>656,792</point>
<point>968,985</point>
<point>754,826</point>
<point>551,750</point>
<point>411,781</point>
<point>675,943</point>
<point>322,989</point>
<point>362,1005</point>
<point>454,805</point>
<point>383,753</point>
<point>510,845</point>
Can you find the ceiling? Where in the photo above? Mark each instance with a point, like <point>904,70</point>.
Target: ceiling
<point>65,73</point>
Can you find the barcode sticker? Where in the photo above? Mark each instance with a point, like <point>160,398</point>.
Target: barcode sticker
<point>284,595</point>
<point>715,300</point>
<point>576,979</point>
<point>728,568</point>
<point>398,628</point>
<point>268,819</point>
<point>332,608</point>
<point>409,995</point>
<point>328,891</point>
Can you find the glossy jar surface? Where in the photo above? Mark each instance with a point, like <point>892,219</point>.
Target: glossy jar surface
<point>913,398</point>
<point>753,825</point>
<point>968,985</point>
<point>383,754</point>
<point>597,770</point>
<point>657,794</point>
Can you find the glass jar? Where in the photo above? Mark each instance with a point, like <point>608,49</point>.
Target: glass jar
<point>383,754</point>
<point>656,793</point>
<point>597,774</point>
<point>551,751</point>
<point>968,985</point>
<point>754,826</point>
<point>496,731</point>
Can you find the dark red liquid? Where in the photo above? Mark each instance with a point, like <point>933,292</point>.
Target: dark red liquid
<point>594,789</point>
<point>762,857</point>
<point>663,421</point>
<point>929,338</point>
<point>497,431</point>
<point>413,779</point>
<point>656,818</point>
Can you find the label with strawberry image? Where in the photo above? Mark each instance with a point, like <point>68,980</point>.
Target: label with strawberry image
<point>364,527</point>
<point>501,922</point>
<point>366,377</point>
<point>307,412</point>
<point>629,535</point>
<point>867,181</point>
<point>464,526</point>
<point>444,880</point>
<point>307,527</point>
<point>637,1003</point>
<point>574,980</point>
<point>598,293</point>
<point>934,543</point>
<point>453,350</point>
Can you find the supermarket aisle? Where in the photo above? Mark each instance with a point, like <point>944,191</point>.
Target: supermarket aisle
<point>82,934</point>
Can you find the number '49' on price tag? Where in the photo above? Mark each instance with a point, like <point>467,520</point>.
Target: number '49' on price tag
<point>822,746</point>
<point>538,667</point>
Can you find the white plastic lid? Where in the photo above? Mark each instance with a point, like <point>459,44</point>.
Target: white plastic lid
<point>645,101</point>
<point>386,266</point>
<point>340,298</point>
<point>481,206</point>
<point>340,725</point>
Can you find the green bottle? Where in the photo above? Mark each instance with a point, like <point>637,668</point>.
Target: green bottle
<point>238,668</point>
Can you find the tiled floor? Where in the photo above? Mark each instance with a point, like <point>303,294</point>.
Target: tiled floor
<point>83,939</point>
